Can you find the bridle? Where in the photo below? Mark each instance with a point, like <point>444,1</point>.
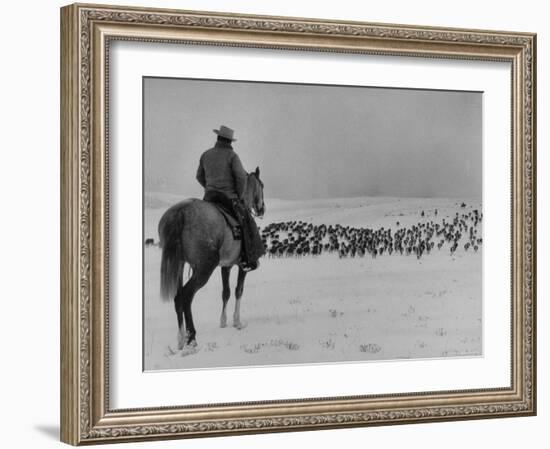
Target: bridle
<point>252,209</point>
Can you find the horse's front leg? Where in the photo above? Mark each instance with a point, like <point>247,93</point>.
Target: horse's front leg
<point>238,294</point>
<point>226,293</point>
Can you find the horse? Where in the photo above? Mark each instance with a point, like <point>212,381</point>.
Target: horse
<point>195,232</point>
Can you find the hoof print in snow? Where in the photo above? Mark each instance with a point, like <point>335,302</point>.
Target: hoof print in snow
<point>371,348</point>
<point>252,349</point>
<point>170,351</point>
<point>285,344</point>
<point>211,346</point>
<point>329,344</point>
<point>275,343</point>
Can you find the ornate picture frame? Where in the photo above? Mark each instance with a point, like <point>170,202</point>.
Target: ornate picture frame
<point>87,32</point>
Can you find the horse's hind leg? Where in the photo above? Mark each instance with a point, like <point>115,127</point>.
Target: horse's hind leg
<point>178,303</point>
<point>198,279</point>
<point>238,294</point>
<point>226,293</point>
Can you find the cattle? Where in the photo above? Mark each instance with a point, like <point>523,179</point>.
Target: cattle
<point>301,239</point>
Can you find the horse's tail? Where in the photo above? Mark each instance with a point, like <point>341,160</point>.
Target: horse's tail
<point>170,236</point>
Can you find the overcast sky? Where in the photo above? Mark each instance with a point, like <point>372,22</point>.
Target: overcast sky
<point>314,141</point>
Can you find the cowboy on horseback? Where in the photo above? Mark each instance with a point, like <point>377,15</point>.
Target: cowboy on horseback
<point>223,177</point>
<point>198,233</point>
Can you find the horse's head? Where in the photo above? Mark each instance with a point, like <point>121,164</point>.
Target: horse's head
<point>255,193</point>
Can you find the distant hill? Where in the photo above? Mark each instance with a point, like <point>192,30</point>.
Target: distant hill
<point>158,200</point>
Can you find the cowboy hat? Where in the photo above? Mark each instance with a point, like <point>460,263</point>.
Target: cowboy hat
<point>225,132</point>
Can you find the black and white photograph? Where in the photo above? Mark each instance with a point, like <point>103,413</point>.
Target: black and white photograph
<point>290,223</point>
<point>235,224</point>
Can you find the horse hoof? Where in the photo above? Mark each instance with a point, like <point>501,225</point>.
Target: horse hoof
<point>239,325</point>
<point>190,349</point>
<point>223,324</point>
<point>181,341</point>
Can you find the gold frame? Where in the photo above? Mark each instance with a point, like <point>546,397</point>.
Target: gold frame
<point>86,31</point>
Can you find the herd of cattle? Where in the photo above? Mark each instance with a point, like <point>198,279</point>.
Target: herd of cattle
<point>298,238</point>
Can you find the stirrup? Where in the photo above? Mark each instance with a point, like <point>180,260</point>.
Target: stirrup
<point>247,266</point>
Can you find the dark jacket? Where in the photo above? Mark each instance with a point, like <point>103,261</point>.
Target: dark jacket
<point>220,169</point>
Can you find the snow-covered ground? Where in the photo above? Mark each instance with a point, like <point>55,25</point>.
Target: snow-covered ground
<point>319,309</point>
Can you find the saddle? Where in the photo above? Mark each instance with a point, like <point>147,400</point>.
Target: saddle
<point>231,221</point>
